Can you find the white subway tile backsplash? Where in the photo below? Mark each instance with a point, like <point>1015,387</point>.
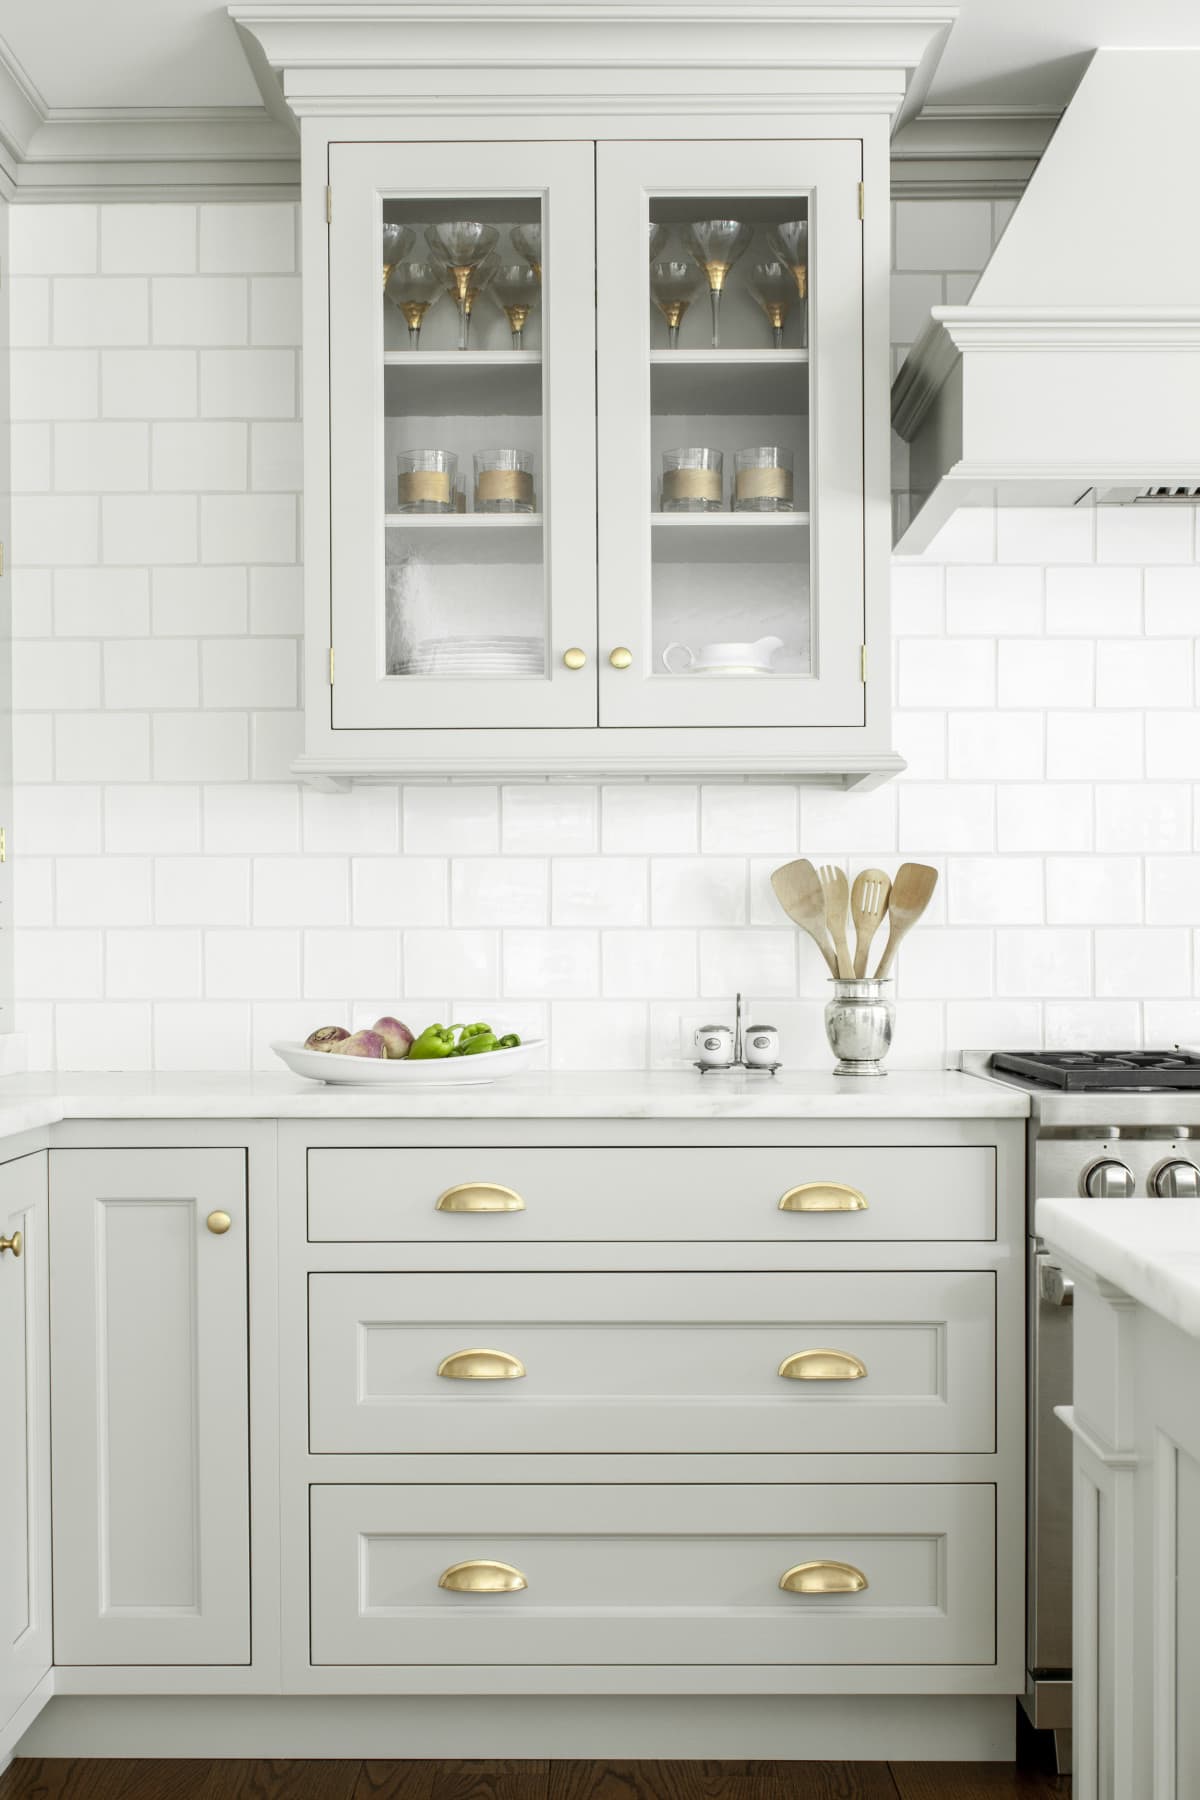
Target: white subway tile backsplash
<point>101,310</point>
<point>102,747</point>
<point>642,820</point>
<point>499,890</point>
<point>1043,672</point>
<point>206,311</point>
<point>192,455</point>
<point>1041,963</point>
<point>248,239</point>
<point>146,384</point>
<point>599,890</point>
<point>1142,963</point>
<point>448,962</point>
<point>1045,668</point>
<point>147,240</point>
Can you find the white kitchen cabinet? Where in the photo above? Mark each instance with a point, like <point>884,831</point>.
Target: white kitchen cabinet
<point>611,619</point>
<point>151,1411</point>
<point>25,1614</point>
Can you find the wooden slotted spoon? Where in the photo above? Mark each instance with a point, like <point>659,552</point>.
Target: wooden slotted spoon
<point>836,890</point>
<point>868,903</point>
<point>798,890</point>
<point>911,893</point>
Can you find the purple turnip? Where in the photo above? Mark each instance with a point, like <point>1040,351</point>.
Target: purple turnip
<point>326,1037</point>
<point>397,1037</point>
<point>363,1043</point>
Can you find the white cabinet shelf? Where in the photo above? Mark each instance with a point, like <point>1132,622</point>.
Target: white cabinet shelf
<point>468,537</point>
<point>697,383</point>
<point>729,537</point>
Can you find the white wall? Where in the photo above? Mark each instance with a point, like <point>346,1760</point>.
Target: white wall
<point>180,900</point>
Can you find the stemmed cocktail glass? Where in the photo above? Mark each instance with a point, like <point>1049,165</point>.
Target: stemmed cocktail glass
<point>716,245</point>
<point>462,250</point>
<point>414,287</point>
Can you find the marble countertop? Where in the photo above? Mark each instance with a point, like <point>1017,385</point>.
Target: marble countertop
<point>1150,1249</point>
<point>31,1101</point>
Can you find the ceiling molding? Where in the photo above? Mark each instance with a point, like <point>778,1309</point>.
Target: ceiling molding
<point>970,152</point>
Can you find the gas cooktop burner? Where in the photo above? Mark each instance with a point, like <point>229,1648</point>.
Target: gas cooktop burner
<point>1085,1071</point>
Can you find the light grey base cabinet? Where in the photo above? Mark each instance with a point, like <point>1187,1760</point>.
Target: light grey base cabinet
<point>537,1411</point>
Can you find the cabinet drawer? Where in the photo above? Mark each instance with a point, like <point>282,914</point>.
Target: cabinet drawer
<point>628,1574</point>
<point>679,1195</point>
<point>646,1362</point>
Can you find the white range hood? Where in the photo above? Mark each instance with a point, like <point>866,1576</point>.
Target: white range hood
<point>1073,374</point>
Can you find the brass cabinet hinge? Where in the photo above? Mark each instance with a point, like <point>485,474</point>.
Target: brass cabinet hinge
<point>331,665</point>
<point>863,665</point>
<point>862,200</point>
<point>329,206</point>
<point>3,843</point>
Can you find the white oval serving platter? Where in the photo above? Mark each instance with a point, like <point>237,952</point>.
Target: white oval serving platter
<point>440,1071</point>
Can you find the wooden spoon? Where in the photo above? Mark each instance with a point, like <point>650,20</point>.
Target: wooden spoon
<point>836,890</point>
<point>911,894</point>
<point>868,903</point>
<point>798,890</point>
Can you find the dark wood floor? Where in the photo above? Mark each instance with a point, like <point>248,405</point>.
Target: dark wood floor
<point>81,1780</point>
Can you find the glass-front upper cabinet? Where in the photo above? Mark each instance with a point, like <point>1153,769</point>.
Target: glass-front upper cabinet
<point>730,433</point>
<point>462,435</point>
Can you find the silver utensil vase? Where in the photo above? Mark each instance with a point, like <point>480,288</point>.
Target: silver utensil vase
<point>858,1024</point>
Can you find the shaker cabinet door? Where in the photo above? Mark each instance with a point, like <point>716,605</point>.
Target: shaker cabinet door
<point>25,1456</point>
<point>462,391</point>
<point>151,1411</point>
<point>730,433</point>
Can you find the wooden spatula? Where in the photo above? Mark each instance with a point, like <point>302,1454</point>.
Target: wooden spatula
<point>798,890</point>
<point>911,893</point>
<point>868,903</point>
<point>836,890</point>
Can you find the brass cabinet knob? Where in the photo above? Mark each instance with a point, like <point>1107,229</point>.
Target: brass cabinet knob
<point>575,659</point>
<point>481,1365</point>
<point>15,1243</point>
<point>479,1197</point>
<point>482,1578</point>
<point>823,1197</point>
<point>823,1578</point>
<point>621,658</point>
<point>822,1365</point>
<point>218,1223</point>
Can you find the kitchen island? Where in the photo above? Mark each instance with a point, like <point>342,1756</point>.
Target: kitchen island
<point>572,1412</point>
<point>1136,1431</point>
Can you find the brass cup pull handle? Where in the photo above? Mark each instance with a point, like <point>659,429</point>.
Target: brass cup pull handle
<point>823,1578</point>
<point>620,658</point>
<point>482,1578</point>
<point>823,1197</point>
<point>822,1365</point>
<point>481,1365</point>
<point>575,658</point>
<point>15,1243</point>
<point>479,1197</point>
<point>218,1223</point>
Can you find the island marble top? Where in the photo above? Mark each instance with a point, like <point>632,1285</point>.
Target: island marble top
<point>1150,1249</point>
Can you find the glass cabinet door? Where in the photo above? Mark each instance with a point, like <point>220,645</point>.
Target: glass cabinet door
<point>462,404</point>
<point>730,433</point>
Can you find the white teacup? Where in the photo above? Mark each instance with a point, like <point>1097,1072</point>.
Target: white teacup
<point>718,659</point>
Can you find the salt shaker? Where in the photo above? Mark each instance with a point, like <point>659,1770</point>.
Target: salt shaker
<point>760,1047</point>
<point>714,1046</point>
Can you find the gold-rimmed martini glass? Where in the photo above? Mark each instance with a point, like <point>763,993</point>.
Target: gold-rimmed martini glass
<point>772,285</point>
<point>527,242</point>
<point>463,246</point>
<point>465,287</point>
<point>716,245</point>
<point>789,242</point>
<point>397,242</point>
<point>515,288</point>
<point>414,287</point>
<point>673,287</point>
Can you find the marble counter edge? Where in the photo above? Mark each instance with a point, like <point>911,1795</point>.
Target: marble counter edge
<point>1085,1233</point>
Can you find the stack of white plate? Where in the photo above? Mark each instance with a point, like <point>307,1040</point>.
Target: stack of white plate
<point>465,658</point>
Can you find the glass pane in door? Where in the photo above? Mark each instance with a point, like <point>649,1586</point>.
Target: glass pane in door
<point>463,452</point>
<point>729,437</point>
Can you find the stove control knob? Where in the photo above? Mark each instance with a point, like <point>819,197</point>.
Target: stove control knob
<point>1176,1178</point>
<point>1107,1179</point>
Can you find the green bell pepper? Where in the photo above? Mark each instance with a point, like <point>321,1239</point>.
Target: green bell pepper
<point>435,1040</point>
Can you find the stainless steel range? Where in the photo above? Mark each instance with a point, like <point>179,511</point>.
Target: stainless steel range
<point>1101,1123</point>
